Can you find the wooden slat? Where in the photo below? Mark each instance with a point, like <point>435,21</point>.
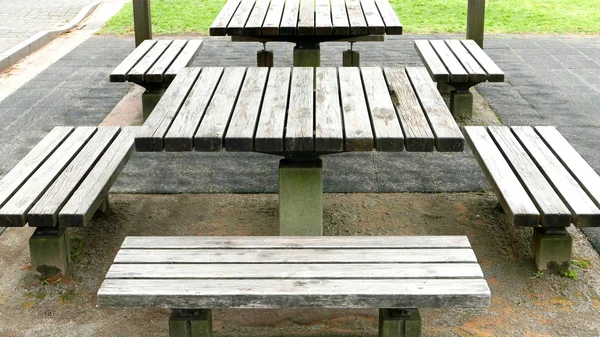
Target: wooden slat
<point>299,271</point>
<point>476,73</point>
<point>219,26</point>
<point>295,293</point>
<point>306,18</point>
<point>150,137</point>
<point>553,211</point>
<point>386,126</point>
<point>90,194</point>
<point>138,73</point>
<point>296,256</point>
<point>271,123</point>
<point>358,24</point>
<point>156,73</point>
<point>329,133</point>
<point>392,23</point>
<point>339,18</point>
<point>45,211</point>
<point>184,59</point>
<point>432,62</point>
<point>323,24</point>
<point>14,212</point>
<point>585,212</point>
<point>180,136</point>
<point>416,128</point>
<point>209,136</point>
<point>514,199</point>
<point>447,134</point>
<point>289,19</point>
<point>300,117</point>
<point>374,20</point>
<point>257,17</point>
<point>273,19</point>
<point>456,70</point>
<point>240,133</point>
<point>494,74</point>
<point>239,19</point>
<point>358,134</point>
<point>14,179</point>
<point>577,166</point>
<point>294,242</point>
<point>121,71</point>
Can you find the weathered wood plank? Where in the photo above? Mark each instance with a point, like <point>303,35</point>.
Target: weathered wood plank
<point>268,242</point>
<point>386,125</point>
<point>374,20</point>
<point>295,293</point>
<point>254,24</point>
<point>300,117</point>
<point>219,26</point>
<point>358,136</point>
<point>271,123</point>
<point>239,19</point>
<point>14,179</point>
<point>358,24</point>
<point>138,72</point>
<point>240,133</point>
<point>121,71</point>
<point>584,211</point>
<point>184,59</point>
<point>447,133</point>
<point>432,62</point>
<point>14,212</point>
<point>180,136</point>
<point>476,73</point>
<point>299,271</point>
<point>514,199</point>
<point>553,211</point>
<point>392,23</point>
<point>419,136</point>
<point>306,18</point>
<point>93,189</point>
<point>323,25</point>
<point>494,74</point>
<point>339,18</point>
<point>456,70</point>
<point>273,18</point>
<point>329,133</point>
<point>577,166</point>
<point>45,211</point>
<point>289,19</point>
<point>209,136</point>
<point>156,73</point>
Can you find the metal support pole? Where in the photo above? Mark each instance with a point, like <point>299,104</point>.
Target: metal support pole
<point>475,21</point>
<point>142,22</point>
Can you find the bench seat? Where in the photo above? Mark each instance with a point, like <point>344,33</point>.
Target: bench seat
<point>61,183</point>
<point>541,182</point>
<point>202,273</point>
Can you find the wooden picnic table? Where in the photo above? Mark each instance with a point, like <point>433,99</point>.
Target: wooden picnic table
<point>306,23</point>
<point>301,113</point>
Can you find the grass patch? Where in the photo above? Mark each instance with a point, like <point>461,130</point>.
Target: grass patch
<point>417,16</point>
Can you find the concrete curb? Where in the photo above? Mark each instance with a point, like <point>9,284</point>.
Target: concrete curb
<point>33,43</point>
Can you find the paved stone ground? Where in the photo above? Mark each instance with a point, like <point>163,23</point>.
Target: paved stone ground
<point>24,18</point>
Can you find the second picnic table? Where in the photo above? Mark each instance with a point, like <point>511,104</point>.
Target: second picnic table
<point>306,23</point>
<point>301,113</point>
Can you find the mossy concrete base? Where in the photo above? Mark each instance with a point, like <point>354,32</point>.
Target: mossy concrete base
<point>301,198</point>
<point>50,251</point>
<point>307,55</point>
<point>399,323</point>
<point>461,104</point>
<point>150,99</point>
<point>351,58</point>
<point>552,248</point>
<point>264,58</point>
<point>187,322</point>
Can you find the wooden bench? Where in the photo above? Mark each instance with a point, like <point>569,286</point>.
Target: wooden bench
<point>61,183</point>
<point>398,275</point>
<point>459,64</point>
<point>541,182</point>
<point>153,65</point>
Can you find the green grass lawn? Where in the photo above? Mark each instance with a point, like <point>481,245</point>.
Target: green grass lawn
<point>417,16</point>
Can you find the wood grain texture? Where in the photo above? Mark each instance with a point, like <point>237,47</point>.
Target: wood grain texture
<point>457,72</point>
<point>358,24</point>
<point>306,18</point>
<point>448,137</point>
<point>45,211</point>
<point>254,24</point>
<point>329,133</point>
<point>289,19</point>
<point>271,124</point>
<point>476,73</point>
<point>137,74</point>
<point>180,136</point>
<point>339,18</point>
<point>358,134</point>
<point>374,21</point>
<point>209,136</point>
<point>156,72</point>
<point>184,59</point>
<point>219,26</point>
<point>239,19</point>
<point>323,25</point>
<point>432,62</point>
<point>494,74</point>
<point>121,71</point>
<point>299,135</point>
<point>273,18</point>
<point>515,201</point>
<point>392,23</point>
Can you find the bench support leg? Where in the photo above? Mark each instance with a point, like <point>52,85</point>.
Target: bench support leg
<point>301,198</point>
<point>264,58</point>
<point>307,55</point>
<point>461,104</point>
<point>399,323</point>
<point>187,322</point>
<point>104,206</point>
<point>50,251</point>
<point>552,248</point>
<point>443,88</point>
<point>149,100</point>
<point>351,58</point>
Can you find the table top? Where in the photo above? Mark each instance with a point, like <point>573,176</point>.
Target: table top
<point>301,110</point>
<point>257,18</point>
